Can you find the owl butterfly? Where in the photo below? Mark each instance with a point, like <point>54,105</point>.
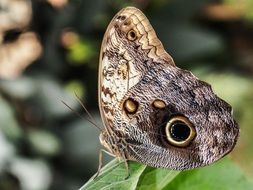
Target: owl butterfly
<point>154,112</point>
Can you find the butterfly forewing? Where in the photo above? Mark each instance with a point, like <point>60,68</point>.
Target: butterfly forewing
<point>124,58</point>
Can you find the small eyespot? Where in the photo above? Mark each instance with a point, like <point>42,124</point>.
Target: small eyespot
<point>179,131</point>
<point>131,35</point>
<point>158,104</point>
<point>123,17</point>
<point>130,106</point>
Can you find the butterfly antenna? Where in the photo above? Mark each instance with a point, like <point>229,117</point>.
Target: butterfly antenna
<point>81,116</point>
<point>86,110</point>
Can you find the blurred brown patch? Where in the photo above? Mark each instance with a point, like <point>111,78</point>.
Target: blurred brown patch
<point>58,3</point>
<point>16,56</point>
<point>24,47</point>
<point>224,12</point>
<point>14,14</point>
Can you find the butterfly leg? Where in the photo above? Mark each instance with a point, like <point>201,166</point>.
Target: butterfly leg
<point>100,161</point>
<point>127,169</point>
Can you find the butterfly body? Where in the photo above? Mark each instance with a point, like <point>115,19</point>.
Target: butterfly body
<point>154,112</point>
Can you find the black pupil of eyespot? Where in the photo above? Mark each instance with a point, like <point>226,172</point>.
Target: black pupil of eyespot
<point>123,17</point>
<point>132,34</point>
<point>179,131</point>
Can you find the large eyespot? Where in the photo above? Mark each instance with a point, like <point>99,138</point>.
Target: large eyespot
<point>130,106</point>
<point>131,35</point>
<point>179,131</point>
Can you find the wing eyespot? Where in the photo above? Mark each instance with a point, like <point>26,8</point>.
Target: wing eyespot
<point>179,131</point>
<point>158,104</point>
<point>132,35</point>
<point>123,17</point>
<point>130,106</point>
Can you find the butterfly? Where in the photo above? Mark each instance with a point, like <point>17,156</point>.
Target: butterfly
<point>154,112</point>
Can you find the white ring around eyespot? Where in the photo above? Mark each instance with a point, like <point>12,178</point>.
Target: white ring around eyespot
<point>185,142</point>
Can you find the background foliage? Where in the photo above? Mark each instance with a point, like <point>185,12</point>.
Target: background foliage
<point>49,50</point>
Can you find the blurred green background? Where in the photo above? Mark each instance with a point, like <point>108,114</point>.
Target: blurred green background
<point>49,50</point>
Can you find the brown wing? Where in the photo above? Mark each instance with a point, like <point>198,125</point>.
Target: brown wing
<point>136,72</point>
<point>129,45</point>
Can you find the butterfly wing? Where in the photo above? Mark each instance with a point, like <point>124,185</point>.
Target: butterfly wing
<point>154,112</point>
<point>156,134</point>
<point>129,46</point>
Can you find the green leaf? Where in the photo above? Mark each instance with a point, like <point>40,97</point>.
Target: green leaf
<point>243,8</point>
<point>9,125</point>
<point>223,175</point>
<point>44,143</point>
<point>156,179</point>
<point>80,52</point>
<point>113,176</point>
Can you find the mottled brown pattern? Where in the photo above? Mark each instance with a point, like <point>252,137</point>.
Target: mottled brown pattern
<point>139,69</point>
